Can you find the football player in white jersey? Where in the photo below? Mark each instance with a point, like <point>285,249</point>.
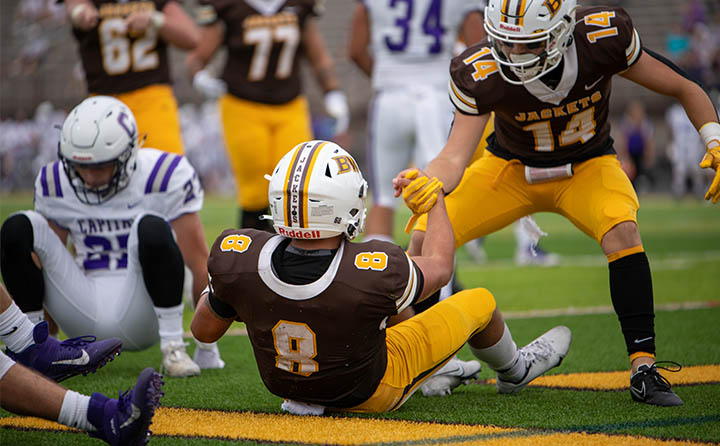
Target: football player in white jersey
<point>131,216</point>
<point>405,48</point>
<point>686,150</point>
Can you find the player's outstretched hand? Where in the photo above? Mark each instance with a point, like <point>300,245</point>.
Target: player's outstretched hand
<point>711,160</point>
<point>710,134</point>
<point>419,192</point>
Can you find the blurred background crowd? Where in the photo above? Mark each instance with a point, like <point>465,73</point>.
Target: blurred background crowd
<point>41,78</point>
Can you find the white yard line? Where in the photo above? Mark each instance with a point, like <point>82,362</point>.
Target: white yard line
<point>676,260</point>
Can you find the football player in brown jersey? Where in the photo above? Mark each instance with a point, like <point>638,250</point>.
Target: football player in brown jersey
<point>123,46</point>
<point>316,306</point>
<point>546,72</point>
<point>262,107</point>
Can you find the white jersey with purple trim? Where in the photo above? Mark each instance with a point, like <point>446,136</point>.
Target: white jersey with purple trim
<point>163,183</point>
<point>413,40</point>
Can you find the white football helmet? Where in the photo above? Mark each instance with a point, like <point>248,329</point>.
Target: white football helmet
<point>544,27</point>
<point>317,191</point>
<point>98,131</point>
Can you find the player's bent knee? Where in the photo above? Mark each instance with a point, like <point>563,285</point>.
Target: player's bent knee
<point>621,236</point>
<point>478,303</point>
<point>154,232</point>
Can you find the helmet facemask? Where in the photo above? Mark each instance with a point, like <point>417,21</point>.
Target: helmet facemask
<point>544,40</point>
<point>122,168</point>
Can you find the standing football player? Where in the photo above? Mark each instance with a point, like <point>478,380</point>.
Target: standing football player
<point>132,218</point>
<point>262,107</point>
<point>316,305</point>
<point>407,62</point>
<point>546,72</point>
<point>123,45</point>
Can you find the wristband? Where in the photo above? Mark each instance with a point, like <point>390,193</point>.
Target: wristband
<point>710,132</point>
<point>157,19</point>
<point>76,11</point>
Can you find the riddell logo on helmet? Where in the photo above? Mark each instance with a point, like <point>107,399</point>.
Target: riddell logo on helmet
<point>82,158</point>
<point>298,233</point>
<point>507,27</point>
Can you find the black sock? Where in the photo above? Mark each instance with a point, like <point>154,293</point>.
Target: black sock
<point>161,260</point>
<point>632,298</point>
<point>23,279</point>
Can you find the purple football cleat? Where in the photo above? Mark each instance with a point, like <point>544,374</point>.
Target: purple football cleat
<point>62,360</point>
<point>125,421</point>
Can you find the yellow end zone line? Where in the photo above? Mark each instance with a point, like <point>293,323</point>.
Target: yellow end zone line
<point>283,428</point>
<point>690,375</point>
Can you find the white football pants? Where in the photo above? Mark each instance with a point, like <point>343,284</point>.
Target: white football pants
<point>406,126</point>
<point>105,304</point>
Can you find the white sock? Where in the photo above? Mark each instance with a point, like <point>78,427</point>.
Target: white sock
<point>382,237</point>
<point>205,346</point>
<point>16,330</point>
<point>36,316</point>
<point>73,412</point>
<point>170,320</point>
<point>503,357</point>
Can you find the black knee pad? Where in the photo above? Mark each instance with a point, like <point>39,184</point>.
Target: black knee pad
<point>23,279</point>
<point>161,261</point>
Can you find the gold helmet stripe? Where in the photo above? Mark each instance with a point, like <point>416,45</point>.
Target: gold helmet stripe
<point>305,181</point>
<point>504,10</point>
<point>520,13</point>
<point>288,186</point>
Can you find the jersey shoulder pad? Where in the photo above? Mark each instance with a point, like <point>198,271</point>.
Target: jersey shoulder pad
<point>607,34</point>
<point>388,268</point>
<point>51,182</point>
<point>474,80</point>
<point>163,171</point>
<point>234,248</point>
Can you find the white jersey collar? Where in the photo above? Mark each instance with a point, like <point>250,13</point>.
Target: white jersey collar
<point>570,72</point>
<point>290,291</point>
<point>266,7</point>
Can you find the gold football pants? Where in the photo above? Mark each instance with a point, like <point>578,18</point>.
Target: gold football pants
<point>156,113</point>
<point>494,193</point>
<point>418,346</point>
<point>256,137</point>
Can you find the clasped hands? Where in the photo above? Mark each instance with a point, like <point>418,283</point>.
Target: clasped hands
<point>419,192</point>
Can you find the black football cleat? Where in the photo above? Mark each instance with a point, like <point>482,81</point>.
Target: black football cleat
<point>648,386</point>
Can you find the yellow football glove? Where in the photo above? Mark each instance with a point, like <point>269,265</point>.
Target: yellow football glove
<point>710,134</point>
<point>420,196</point>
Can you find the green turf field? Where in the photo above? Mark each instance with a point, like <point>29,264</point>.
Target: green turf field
<point>682,240</point>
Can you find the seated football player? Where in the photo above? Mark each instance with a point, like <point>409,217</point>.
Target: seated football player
<point>316,306</point>
<point>132,217</point>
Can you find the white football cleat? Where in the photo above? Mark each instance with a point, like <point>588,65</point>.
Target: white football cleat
<point>176,362</point>
<point>208,358</point>
<point>542,354</point>
<point>449,376</point>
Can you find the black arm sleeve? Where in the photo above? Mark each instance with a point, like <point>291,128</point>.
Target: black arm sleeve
<point>220,308</point>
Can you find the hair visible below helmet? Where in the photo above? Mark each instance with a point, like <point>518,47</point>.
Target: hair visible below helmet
<point>98,131</point>
<point>546,24</point>
<point>317,191</point>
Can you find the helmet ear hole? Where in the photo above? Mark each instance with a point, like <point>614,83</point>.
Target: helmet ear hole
<point>354,211</point>
<point>327,171</point>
